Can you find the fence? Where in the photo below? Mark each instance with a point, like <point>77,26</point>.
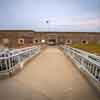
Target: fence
<point>90,63</point>
<point>9,59</point>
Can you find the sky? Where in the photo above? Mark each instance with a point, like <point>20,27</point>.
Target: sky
<point>62,15</point>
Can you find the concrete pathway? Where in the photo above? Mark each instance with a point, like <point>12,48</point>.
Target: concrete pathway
<point>49,76</point>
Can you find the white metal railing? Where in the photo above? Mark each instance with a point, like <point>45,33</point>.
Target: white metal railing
<point>87,61</point>
<point>9,59</point>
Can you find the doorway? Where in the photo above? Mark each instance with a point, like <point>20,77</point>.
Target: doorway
<point>52,42</point>
<point>52,39</point>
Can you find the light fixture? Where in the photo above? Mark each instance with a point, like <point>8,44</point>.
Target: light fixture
<point>43,41</point>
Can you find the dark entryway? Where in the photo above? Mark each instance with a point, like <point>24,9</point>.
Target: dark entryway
<point>52,42</point>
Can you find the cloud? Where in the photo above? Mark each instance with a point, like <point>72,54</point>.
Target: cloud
<point>91,23</point>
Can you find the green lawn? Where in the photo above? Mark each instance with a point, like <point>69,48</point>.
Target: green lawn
<point>91,47</point>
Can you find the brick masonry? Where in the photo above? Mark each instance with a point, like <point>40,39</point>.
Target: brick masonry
<point>30,37</point>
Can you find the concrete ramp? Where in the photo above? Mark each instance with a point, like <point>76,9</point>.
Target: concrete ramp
<point>49,76</point>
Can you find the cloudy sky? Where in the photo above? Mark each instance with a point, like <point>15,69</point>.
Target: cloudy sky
<point>62,15</point>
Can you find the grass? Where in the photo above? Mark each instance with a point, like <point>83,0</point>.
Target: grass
<point>90,47</point>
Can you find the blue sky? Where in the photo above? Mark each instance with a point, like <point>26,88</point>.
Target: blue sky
<point>63,15</point>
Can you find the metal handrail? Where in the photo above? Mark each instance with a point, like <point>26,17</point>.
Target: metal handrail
<point>80,57</point>
<point>90,55</point>
<point>15,57</point>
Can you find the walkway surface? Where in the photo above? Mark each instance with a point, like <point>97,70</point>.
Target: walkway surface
<point>49,76</point>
